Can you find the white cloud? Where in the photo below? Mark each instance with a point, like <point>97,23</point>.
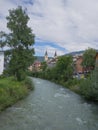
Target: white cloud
<point>5,5</point>
<point>72,24</point>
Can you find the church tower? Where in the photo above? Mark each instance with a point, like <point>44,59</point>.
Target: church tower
<point>46,56</point>
<point>55,55</point>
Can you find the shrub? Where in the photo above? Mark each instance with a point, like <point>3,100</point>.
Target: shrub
<point>12,91</point>
<point>29,84</point>
<point>85,88</point>
<point>89,87</point>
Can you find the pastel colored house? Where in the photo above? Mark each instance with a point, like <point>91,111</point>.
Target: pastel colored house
<point>36,66</point>
<point>78,68</point>
<point>1,62</point>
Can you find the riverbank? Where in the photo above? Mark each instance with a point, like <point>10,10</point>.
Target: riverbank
<point>72,84</point>
<point>83,87</point>
<point>11,91</point>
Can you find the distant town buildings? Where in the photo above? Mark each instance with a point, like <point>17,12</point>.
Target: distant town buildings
<point>36,66</point>
<point>79,70</point>
<point>46,56</point>
<point>51,61</point>
<point>77,61</point>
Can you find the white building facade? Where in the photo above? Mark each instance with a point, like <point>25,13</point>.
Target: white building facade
<point>1,62</point>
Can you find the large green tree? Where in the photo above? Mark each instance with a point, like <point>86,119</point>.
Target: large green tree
<point>20,40</point>
<point>89,58</point>
<point>43,66</point>
<point>64,69</point>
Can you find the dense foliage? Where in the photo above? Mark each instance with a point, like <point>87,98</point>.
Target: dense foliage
<point>89,87</point>
<point>89,58</point>
<point>64,68</point>
<point>20,41</point>
<point>2,39</point>
<point>12,91</point>
<point>43,66</point>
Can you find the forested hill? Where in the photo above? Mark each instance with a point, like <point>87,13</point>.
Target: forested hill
<point>40,58</point>
<point>75,53</point>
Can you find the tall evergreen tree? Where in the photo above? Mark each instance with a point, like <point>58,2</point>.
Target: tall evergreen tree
<point>20,40</point>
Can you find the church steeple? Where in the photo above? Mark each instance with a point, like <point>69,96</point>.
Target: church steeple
<point>55,55</point>
<point>46,56</point>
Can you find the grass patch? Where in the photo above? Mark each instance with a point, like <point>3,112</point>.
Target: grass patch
<point>11,91</point>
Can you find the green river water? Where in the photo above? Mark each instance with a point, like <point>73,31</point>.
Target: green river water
<point>50,107</point>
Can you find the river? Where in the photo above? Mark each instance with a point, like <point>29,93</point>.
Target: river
<point>50,107</point>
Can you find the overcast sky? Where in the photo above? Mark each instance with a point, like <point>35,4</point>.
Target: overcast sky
<point>59,25</point>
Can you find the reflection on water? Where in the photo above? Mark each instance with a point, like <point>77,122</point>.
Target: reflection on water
<point>50,107</point>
